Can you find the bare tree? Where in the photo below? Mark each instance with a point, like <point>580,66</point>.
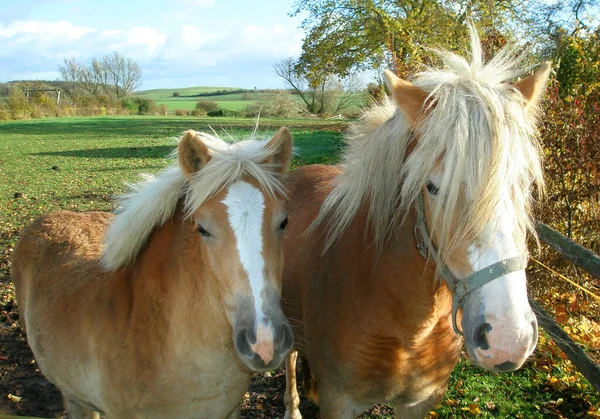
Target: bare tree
<point>121,74</point>
<point>70,73</point>
<point>286,69</point>
<point>328,94</point>
<point>93,77</point>
<point>346,94</point>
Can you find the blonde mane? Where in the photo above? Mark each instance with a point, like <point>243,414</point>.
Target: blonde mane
<point>154,200</point>
<point>476,128</point>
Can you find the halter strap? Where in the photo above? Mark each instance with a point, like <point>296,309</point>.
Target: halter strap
<point>460,288</point>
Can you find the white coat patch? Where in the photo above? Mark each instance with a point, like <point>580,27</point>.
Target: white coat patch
<point>245,209</point>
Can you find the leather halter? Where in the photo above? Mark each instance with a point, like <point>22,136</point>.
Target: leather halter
<point>460,288</point>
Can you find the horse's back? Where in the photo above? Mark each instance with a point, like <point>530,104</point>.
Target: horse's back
<point>55,252</point>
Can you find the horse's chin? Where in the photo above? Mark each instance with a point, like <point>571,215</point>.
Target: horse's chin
<point>487,362</point>
<point>256,364</point>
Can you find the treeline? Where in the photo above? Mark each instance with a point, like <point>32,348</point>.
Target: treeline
<point>101,87</point>
<point>216,93</point>
<point>113,75</point>
<point>37,99</point>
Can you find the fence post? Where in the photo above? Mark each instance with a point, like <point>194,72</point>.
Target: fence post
<point>576,253</point>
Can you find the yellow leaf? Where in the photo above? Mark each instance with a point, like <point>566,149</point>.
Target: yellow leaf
<point>13,398</point>
<point>472,408</point>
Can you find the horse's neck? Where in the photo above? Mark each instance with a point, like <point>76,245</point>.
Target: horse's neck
<point>400,275</point>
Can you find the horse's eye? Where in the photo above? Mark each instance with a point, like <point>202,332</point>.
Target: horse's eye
<point>202,231</point>
<point>432,189</point>
<point>283,224</point>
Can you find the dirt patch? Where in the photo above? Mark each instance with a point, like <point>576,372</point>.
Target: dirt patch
<point>23,389</point>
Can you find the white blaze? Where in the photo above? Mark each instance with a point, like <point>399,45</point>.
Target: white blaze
<point>504,299</point>
<point>245,209</point>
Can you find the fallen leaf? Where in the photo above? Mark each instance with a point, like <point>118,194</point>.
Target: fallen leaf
<point>13,398</point>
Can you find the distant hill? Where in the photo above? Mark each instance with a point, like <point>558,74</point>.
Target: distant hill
<point>232,98</point>
<point>157,94</point>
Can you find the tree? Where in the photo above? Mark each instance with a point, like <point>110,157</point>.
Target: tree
<point>325,94</point>
<point>343,36</point>
<point>70,73</point>
<point>114,74</point>
<point>570,135</point>
<point>120,74</point>
<point>93,77</point>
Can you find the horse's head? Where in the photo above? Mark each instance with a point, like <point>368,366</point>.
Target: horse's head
<point>239,233</point>
<point>470,170</point>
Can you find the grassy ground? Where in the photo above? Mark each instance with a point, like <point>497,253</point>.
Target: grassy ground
<point>234,101</point>
<point>79,163</point>
<point>190,103</point>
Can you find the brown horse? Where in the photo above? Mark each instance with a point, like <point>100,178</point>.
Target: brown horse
<point>168,317</point>
<point>442,175</point>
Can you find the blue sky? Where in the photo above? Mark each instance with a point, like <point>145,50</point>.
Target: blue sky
<point>177,43</point>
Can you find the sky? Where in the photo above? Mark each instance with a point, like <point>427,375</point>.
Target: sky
<point>177,43</point>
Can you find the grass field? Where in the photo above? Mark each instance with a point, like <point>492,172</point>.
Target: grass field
<point>233,101</point>
<point>79,163</point>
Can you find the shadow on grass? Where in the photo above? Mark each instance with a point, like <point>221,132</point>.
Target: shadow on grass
<point>154,152</point>
<point>154,127</point>
<point>312,147</point>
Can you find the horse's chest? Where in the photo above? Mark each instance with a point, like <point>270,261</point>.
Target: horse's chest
<point>382,369</point>
<point>207,384</point>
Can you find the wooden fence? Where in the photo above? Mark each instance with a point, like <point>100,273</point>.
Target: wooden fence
<point>589,262</point>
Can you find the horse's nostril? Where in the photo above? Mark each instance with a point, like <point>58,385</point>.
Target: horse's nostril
<point>287,338</point>
<point>480,338</point>
<point>534,338</point>
<point>242,343</point>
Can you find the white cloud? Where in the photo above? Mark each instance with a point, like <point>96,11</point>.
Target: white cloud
<point>140,42</point>
<point>60,29</point>
<point>28,47</point>
<point>198,3</point>
<point>277,41</point>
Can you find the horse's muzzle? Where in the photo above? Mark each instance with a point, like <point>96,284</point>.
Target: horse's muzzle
<point>264,348</point>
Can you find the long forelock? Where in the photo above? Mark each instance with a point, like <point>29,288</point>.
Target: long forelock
<point>476,128</point>
<point>228,164</point>
<point>153,201</point>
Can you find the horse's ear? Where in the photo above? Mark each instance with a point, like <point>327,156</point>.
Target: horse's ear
<point>532,87</point>
<point>281,146</point>
<point>192,153</point>
<point>409,98</point>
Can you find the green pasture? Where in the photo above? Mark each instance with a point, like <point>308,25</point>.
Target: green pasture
<point>233,101</point>
<point>79,163</point>
<point>190,103</point>
<point>158,94</point>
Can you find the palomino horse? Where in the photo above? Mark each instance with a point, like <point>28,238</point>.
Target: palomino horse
<point>169,317</point>
<point>443,174</point>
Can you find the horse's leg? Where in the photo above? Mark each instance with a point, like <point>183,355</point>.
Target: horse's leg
<point>291,398</point>
<point>78,410</point>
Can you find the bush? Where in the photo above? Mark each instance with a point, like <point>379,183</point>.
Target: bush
<point>176,94</point>
<point>207,105</point>
<point>278,105</point>
<point>181,112</point>
<point>17,104</point>
<point>138,105</point>
<point>162,109</point>
<point>223,112</point>
<point>198,112</point>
